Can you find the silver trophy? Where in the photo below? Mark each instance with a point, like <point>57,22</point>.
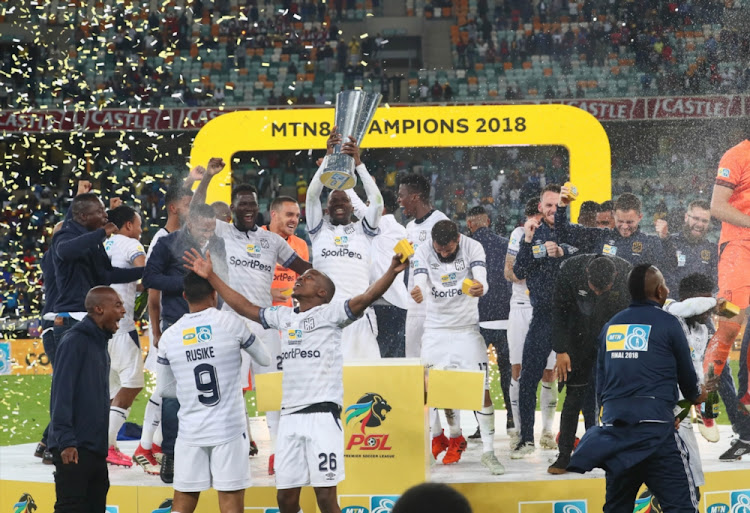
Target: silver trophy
<point>354,113</point>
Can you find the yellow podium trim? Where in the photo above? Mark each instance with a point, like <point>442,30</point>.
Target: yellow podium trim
<point>455,389</point>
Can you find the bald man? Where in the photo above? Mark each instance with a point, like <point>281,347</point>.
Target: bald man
<point>79,405</point>
<point>643,357</point>
<point>222,211</point>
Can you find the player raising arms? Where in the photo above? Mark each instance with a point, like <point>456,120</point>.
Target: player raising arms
<point>310,446</point>
<point>200,360</point>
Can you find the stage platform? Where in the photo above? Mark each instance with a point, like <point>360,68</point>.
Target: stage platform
<point>526,486</point>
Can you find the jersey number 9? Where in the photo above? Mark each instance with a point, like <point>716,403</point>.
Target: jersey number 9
<point>207,384</point>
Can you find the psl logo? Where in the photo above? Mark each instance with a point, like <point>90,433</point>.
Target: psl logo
<point>370,411</point>
<point>25,504</point>
<point>628,337</point>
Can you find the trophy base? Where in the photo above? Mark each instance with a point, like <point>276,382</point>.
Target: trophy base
<point>339,173</point>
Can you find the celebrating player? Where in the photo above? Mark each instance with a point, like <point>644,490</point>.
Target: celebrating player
<point>126,371</point>
<point>341,248</point>
<point>451,333</point>
<point>252,255</point>
<point>310,449</point>
<point>200,365</point>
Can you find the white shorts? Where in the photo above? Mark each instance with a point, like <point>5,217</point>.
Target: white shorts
<point>462,349</point>
<point>686,433</point>
<point>414,330</point>
<point>150,363</point>
<point>126,367</point>
<point>519,320</point>
<point>309,451</point>
<point>360,338</point>
<point>224,466</point>
<point>272,342</point>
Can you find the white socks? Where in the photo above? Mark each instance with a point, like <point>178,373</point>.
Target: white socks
<point>486,419</point>
<point>435,426</point>
<point>548,404</point>
<point>117,417</point>
<point>453,417</point>
<point>514,389</point>
<point>151,421</point>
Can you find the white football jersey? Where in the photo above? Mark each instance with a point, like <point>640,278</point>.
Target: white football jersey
<point>343,252</point>
<point>520,290</point>
<point>311,351</point>
<point>251,259</point>
<point>441,283</point>
<point>202,351</point>
<point>419,233</point>
<point>122,252</point>
<point>161,232</point>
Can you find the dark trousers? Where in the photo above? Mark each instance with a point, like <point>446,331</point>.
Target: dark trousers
<point>728,393</point>
<point>62,324</point>
<point>50,348</point>
<point>391,330</point>
<point>667,475</point>
<point>579,396</point>
<point>81,487</point>
<point>742,381</point>
<point>536,350</point>
<point>499,339</point>
<point>169,408</point>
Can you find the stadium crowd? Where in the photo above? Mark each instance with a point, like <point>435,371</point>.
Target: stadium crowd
<point>204,54</point>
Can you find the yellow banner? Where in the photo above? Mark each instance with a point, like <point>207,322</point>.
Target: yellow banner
<point>418,127</point>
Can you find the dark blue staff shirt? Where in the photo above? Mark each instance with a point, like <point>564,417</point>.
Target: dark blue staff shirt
<point>495,304</point>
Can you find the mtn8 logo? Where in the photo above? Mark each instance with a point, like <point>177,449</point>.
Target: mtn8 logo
<point>204,333</point>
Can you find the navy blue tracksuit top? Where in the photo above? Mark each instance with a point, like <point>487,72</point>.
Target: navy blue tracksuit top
<point>698,256</point>
<point>539,270</point>
<point>643,357</point>
<point>79,402</point>
<point>637,249</point>
<point>165,269</point>
<point>81,263</point>
<point>495,304</point>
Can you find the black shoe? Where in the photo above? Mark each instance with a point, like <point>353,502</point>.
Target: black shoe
<point>560,465</point>
<point>47,458</point>
<point>166,472</point>
<point>253,448</point>
<point>736,451</point>
<point>39,451</point>
<point>476,436</point>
